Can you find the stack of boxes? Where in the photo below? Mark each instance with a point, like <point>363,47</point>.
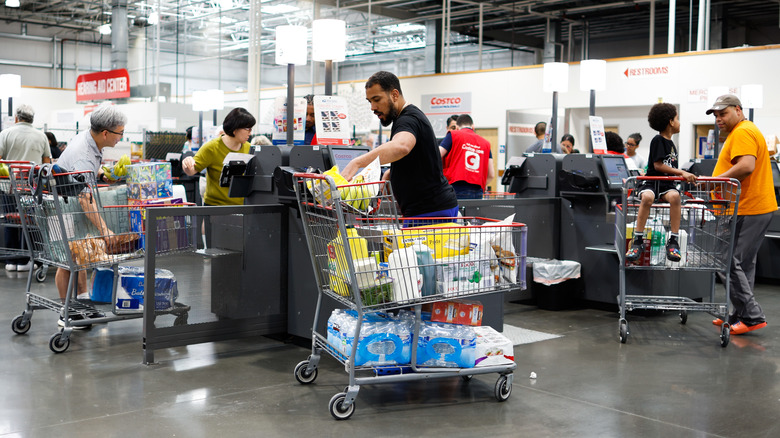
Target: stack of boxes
<point>150,184</point>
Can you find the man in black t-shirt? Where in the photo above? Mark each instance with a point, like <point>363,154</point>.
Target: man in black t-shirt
<point>416,170</point>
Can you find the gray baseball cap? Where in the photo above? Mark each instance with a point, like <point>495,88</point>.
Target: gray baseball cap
<point>725,101</point>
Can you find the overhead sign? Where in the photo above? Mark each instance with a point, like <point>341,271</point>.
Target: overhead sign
<point>331,116</point>
<point>114,84</point>
<point>438,107</point>
<point>647,72</point>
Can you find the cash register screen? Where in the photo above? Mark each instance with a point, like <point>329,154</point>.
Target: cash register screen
<point>615,170</point>
<point>342,156</point>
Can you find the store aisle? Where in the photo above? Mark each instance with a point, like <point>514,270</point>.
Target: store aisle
<point>669,380</point>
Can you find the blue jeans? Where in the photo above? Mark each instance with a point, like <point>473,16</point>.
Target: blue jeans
<point>441,215</point>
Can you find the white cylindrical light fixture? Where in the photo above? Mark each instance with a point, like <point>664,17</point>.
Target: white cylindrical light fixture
<point>328,40</point>
<point>556,77</point>
<point>10,86</point>
<point>215,99</point>
<point>752,96</point>
<point>200,100</point>
<point>12,3</point>
<point>291,45</point>
<point>593,75</point>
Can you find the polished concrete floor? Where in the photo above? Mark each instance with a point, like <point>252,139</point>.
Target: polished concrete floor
<point>669,380</point>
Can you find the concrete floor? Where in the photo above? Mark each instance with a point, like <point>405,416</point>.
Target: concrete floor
<point>669,380</point>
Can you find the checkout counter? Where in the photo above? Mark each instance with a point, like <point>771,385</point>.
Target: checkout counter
<point>284,267</point>
<point>586,189</point>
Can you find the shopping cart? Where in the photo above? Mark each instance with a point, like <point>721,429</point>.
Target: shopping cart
<point>67,226</point>
<point>370,264</point>
<point>11,225</point>
<point>707,227</point>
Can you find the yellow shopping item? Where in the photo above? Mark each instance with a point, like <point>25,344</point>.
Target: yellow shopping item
<point>119,170</point>
<point>338,267</point>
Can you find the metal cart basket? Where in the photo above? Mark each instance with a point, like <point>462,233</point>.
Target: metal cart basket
<point>368,262</point>
<point>67,226</point>
<point>11,225</point>
<point>707,228</point>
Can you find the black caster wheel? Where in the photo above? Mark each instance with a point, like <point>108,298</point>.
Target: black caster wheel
<point>623,331</point>
<point>503,389</point>
<point>19,326</point>
<point>40,275</point>
<point>302,376</point>
<point>337,408</point>
<point>57,345</point>
<point>683,316</point>
<point>466,378</point>
<point>725,335</point>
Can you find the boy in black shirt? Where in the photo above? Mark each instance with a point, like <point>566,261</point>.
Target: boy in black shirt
<point>662,161</point>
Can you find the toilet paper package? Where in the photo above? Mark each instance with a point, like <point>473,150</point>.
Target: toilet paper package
<point>130,290</point>
<point>492,348</point>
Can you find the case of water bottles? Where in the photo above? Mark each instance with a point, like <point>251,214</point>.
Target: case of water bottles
<point>382,267</point>
<point>706,231</point>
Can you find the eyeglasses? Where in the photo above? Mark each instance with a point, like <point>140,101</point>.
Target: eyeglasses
<point>630,144</point>
<point>121,134</point>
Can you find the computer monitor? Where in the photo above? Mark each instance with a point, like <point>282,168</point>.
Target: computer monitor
<point>341,156</point>
<point>615,170</point>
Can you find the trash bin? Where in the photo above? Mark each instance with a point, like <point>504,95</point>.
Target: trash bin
<point>557,284</point>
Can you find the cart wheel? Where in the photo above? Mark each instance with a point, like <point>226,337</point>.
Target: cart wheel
<point>623,331</point>
<point>57,345</point>
<point>40,275</point>
<point>466,378</point>
<point>19,326</point>
<point>301,375</point>
<point>181,319</point>
<point>725,335</point>
<point>683,316</point>
<point>503,389</point>
<point>337,409</point>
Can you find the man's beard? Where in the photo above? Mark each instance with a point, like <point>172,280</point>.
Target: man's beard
<point>391,116</point>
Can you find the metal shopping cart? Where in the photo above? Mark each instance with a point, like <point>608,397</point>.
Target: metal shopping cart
<point>67,226</point>
<point>12,228</point>
<point>707,228</point>
<point>370,264</point>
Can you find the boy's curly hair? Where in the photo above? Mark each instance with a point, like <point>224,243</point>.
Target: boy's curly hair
<point>660,115</point>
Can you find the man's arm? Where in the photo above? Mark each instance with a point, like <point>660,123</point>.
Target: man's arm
<point>669,170</point>
<point>491,169</point>
<point>89,206</point>
<point>395,149</point>
<point>743,166</point>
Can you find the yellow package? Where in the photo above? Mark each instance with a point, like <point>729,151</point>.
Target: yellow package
<point>339,274</point>
<point>445,240</point>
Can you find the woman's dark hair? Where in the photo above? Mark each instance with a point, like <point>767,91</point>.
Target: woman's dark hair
<point>452,118</point>
<point>52,139</point>
<point>386,80</point>
<point>637,137</point>
<point>614,142</point>
<point>238,118</point>
<point>569,138</point>
<point>188,133</point>
<point>660,115</point>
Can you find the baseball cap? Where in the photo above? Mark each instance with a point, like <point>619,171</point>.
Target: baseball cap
<point>724,101</point>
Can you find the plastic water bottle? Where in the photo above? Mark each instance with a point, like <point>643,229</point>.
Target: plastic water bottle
<point>656,246</point>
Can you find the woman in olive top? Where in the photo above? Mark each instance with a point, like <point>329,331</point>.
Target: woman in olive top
<point>238,128</point>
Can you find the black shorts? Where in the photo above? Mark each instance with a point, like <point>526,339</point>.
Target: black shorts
<point>658,187</point>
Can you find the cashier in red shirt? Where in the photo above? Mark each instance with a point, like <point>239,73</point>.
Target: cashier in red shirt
<point>467,160</point>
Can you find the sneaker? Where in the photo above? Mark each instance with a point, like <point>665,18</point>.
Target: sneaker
<point>74,317</point>
<point>10,267</point>
<point>637,246</point>
<point>25,267</point>
<point>673,250</point>
<point>718,322</point>
<point>741,328</point>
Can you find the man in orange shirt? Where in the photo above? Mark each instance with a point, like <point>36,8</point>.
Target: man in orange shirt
<point>746,158</point>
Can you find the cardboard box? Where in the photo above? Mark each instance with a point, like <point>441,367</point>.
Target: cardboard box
<point>172,231</point>
<point>149,181</point>
<point>462,274</point>
<point>457,312</point>
<point>492,348</point>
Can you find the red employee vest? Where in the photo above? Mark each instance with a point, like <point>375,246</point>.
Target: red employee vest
<point>468,159</point>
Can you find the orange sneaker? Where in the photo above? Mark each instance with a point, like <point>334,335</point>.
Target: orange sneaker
<point>718,322</point>
<point>741,328</point>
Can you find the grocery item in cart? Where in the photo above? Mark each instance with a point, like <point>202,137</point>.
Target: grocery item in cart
<point>464,312</point>
<point>130,290</point>
<point>405,272</point>
<point>457,275</point>
<point>444,240</point>
<point>338,268</point>
<point>494,243</point>
<point>492,348</point>
<point>384,339</point>
<point>446,345</point>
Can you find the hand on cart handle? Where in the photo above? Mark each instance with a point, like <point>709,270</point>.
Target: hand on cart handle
<point>687,176</point>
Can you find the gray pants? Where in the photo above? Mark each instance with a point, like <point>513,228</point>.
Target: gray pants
<point>749,235</point>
